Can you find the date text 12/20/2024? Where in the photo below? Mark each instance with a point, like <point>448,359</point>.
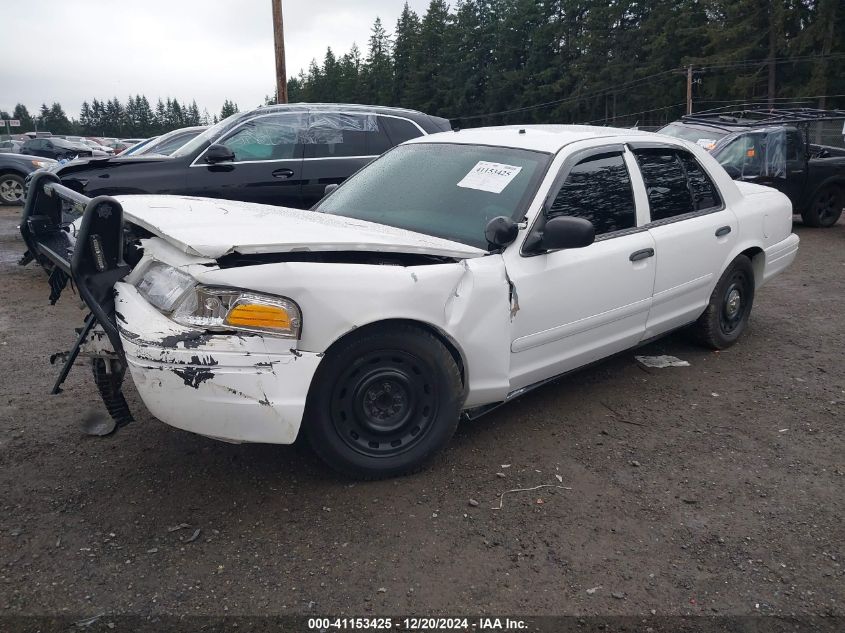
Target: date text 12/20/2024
<point>417,624</point>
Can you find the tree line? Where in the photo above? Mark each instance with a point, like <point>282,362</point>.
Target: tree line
<point>133,119</point>
<point>560,61</point>
<point>590,60</point>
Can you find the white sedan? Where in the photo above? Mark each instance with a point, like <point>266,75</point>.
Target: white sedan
<point>452,274</point>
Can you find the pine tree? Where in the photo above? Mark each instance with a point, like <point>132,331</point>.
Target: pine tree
<point>405,54</point>
<point>229,108</point>
<point>160,117</point>
<point>378,72</point>
<point>426,90</point>
<point>22,114</point>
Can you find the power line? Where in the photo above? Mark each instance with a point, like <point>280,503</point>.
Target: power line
<point>763,100</point>
<point>776,60</point>
<point>630,114</point>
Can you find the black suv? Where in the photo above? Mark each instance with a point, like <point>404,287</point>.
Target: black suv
<point>282,155</point>
<point>55,148</point>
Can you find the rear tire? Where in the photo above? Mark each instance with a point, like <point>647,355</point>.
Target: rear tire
<point>726,316</point>
<point>384,402</point>
<point>11,189</point>
<point>825,208</point>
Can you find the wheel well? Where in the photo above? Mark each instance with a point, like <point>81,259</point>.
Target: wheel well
<point>439,334</point>
<point>9,170</point>
<point>758,262</point>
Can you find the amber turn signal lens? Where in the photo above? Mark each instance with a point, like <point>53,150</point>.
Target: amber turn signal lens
<point>251,315</point>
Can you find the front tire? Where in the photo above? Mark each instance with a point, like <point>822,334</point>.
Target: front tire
<point>384,402</point>
<point>825,208</point>
<point>726,316</point>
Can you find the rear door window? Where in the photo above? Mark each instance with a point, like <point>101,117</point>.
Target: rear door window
<point>342,135</point>
<point>665,181</point>
<point>704,193</point>
<point>676,183</point>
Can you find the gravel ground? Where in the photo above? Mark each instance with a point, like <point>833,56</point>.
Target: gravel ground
<point>710,489</point>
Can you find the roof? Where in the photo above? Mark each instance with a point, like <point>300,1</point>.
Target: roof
<point>761,117</point>
<point>544,138</point>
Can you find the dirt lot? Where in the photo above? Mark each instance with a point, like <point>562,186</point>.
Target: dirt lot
<point>714,488</point>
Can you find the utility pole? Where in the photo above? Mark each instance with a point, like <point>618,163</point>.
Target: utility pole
<point>279,39</point>
<point>689,89</point>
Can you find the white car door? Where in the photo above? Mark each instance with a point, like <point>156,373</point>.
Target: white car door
<point>579,305</point>
<point>694,233</point>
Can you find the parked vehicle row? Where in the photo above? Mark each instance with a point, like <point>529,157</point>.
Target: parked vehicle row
<point>100,146</point>
<point>454,273</point>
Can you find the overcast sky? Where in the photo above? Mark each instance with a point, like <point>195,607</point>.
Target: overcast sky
<point>208,50</point>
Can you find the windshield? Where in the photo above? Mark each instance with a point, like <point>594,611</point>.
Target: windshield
<point>442,189</point>
<point>207,136</point>
<point>136,149</point>
<point>706,138</point>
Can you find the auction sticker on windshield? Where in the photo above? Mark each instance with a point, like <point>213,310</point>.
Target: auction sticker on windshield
<point>492,177</point>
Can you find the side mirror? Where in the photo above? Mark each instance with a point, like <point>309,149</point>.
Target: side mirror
<point>218,153</point>
<point>329,189</point>
<point>565,231</point>
<point>733,172</point>
<point>501,231</point>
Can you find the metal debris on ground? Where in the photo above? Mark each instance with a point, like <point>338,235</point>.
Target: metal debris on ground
<point>502,496</point>
<point>84,624</point>
<point>661,362</point>
<point>181,526</point>
<point>193,537</point>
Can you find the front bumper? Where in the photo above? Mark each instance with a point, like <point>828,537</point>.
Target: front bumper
<point>233,387</point>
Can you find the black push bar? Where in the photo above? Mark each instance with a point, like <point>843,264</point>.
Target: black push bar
<point>93,262</point>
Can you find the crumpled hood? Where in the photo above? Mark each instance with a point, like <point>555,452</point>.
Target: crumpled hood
<point>207,227</point>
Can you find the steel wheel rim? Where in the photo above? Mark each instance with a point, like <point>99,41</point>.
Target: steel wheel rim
<point>11,190</point>
<point>384,403</point>
<point>734,303</point>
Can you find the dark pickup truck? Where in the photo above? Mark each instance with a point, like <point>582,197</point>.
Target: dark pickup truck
<point>776,155</point>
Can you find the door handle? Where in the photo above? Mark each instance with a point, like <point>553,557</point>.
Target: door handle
<point>283,173</point>
<point>721,232</point>
<point>643,254</point>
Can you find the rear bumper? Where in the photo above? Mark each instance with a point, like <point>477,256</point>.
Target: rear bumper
<point>779,256</point>
<point>231,387</point>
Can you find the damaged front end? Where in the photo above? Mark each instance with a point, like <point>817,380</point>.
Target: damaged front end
<point>92,263</point>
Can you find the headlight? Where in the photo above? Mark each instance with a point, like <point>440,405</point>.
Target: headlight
<point>163,285</point>
<point>177,294</point>
<point>41,163</point>
<point>225,309</point>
